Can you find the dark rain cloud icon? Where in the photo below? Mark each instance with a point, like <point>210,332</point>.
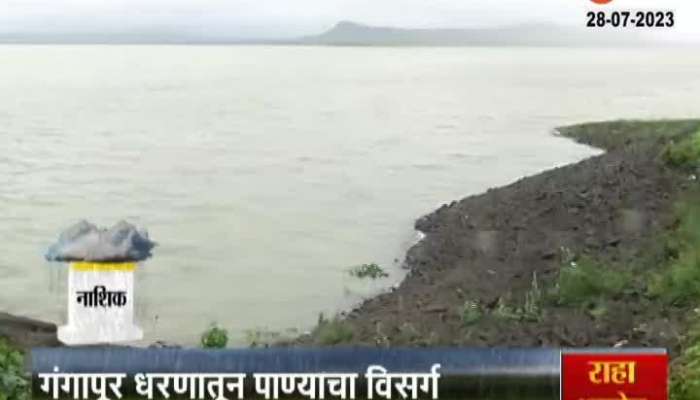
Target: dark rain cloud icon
<point>84,241</point>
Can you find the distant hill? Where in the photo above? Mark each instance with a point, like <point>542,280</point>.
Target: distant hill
<point>352,33</point>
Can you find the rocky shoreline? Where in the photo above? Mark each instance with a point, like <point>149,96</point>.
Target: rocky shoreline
<point>494,251</point>
<point>25,333</point>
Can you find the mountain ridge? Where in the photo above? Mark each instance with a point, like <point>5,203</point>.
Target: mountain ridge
<point>352,33</point>
<point>527,34</point>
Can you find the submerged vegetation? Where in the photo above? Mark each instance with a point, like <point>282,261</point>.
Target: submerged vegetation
<point>372,271</point>
<point>214,337</point>
<point>14,382</point>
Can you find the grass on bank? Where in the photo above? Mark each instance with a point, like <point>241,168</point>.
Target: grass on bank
<point>685,378</point>
<point>684,152</point>
<point>616,134</point>
<point>678,285</point>
<point>583,282</point>
<point>530,309</point>
<point>14,383</point>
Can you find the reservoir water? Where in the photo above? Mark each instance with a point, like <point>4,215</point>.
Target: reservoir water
<point>264,172</point>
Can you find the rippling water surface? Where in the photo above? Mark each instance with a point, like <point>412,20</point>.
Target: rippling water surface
<point>265,172</point>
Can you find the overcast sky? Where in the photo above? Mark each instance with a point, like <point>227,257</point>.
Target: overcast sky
<point>289,18</point>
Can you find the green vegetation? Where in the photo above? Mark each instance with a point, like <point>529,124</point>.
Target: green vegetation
<point>214,338</point>
<point>611,135</point>
<point>504,311</point>
<point>683,152</point>
<point>531,310</point>
<point>372,271</point>
<point>471,312</point>
<point>584,282</point>
<point>685,379</point>
<point>333,331</point>
<point>679,283</point>
<point>14,382</point>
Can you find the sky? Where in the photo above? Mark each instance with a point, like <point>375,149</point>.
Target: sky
<point>290,18</point>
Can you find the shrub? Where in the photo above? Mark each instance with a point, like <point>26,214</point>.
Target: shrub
<point>372,271</point>
<point>531,309</point>
<point>583,282</point>
<point>505,311</point>
<point>214,338</point>
<point>14,383</point>
<point>471,312</point>
<point>684,153</point>
<point>679,283</point>
<point>685,372</point>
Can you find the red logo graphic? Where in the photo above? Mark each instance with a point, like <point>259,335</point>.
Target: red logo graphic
<point>614,376</point>
<point>601,1</point>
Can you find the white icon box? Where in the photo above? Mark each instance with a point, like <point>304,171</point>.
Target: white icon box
<point>100,304</point>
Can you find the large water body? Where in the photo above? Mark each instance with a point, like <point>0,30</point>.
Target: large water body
<point>265,172</point>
